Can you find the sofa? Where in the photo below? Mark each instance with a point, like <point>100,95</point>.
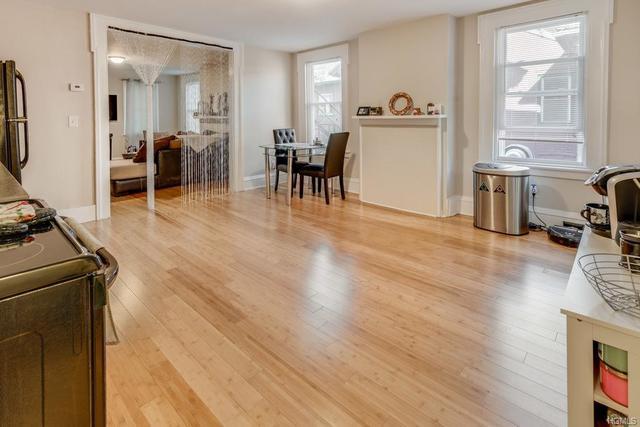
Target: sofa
<point>128,176</point>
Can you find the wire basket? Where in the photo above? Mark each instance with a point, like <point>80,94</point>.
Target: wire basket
<point>616,278</point>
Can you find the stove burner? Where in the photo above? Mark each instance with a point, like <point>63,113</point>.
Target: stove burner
<point>13,232</point>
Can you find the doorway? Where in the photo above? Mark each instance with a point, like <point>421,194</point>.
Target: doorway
<point>186,109</point>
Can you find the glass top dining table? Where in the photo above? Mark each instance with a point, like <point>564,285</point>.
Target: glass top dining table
<point>288,151</point>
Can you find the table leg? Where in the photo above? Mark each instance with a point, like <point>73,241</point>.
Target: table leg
<point>289,176</point>
<point>267,174</point>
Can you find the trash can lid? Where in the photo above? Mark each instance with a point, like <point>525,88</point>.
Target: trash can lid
<point>501,169</point>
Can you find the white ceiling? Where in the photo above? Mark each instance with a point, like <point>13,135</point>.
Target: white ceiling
<point>290,25</point>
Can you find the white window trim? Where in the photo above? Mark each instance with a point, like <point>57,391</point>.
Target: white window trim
<point>318,55</point>
<point>599,16</point>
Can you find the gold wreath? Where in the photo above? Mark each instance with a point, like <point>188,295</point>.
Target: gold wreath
<point>405,110</point>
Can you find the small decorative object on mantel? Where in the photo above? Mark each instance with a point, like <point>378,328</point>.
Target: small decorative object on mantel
<point>400,104</point>
<point>417,112</point>
<point>363,111</point>
<point>375,111</point>
<point>434,109</point>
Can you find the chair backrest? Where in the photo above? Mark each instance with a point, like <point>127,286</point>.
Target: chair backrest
<point>284,136</point>
<point>334,156</point>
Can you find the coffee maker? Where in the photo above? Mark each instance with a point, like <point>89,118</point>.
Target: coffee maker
<point>621,185</point>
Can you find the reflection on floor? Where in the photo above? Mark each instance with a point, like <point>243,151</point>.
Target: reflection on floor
<point>247,311</point>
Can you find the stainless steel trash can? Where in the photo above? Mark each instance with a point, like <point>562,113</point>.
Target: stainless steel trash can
<point>501,198</point>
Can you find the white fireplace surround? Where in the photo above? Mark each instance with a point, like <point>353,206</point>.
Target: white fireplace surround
<point>403,163</point>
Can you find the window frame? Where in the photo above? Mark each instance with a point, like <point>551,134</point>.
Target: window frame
<point>303,59</point>
<point>598,17</point>
<point>308,102</point>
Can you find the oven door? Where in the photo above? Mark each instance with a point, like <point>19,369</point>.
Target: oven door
<point>46,346</point>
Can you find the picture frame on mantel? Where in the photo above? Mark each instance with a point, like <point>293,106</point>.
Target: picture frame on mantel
<point>363,111</point>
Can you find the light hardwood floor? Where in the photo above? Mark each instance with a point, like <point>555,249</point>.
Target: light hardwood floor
<point>247,312</point>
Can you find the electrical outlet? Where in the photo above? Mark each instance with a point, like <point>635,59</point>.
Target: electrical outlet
<point>534,189</point>
<point>74,121</point>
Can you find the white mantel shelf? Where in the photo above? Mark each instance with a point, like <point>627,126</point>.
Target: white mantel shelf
<point>402,118</point>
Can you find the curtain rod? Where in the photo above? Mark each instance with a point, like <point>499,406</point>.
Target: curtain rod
<point>170,38</point>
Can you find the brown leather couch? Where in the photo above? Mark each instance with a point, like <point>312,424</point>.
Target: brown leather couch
<point>168,173</point>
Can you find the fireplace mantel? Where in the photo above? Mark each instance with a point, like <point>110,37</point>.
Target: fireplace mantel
<point>403,163</point>
<point>427,119</point>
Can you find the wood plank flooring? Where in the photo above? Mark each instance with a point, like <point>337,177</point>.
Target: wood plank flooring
<point>247,312</point>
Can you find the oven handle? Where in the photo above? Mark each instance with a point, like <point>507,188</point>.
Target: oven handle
<point>24,120</point>
<point>96,247</point>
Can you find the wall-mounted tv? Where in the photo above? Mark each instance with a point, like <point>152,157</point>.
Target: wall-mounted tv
<point>113,108</point>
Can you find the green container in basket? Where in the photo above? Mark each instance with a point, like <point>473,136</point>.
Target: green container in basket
<point>613,357</point>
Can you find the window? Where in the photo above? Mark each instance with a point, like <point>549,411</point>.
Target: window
<point>192,99</point>
<point>539,92</point>
<point>544,74</point>
<point>323,99</point>
<point>322,79</point>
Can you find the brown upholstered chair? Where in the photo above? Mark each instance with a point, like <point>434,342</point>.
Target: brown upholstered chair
<point>333,165</point>
<point>285,136</point>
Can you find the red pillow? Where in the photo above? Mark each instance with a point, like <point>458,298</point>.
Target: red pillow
<point>158,144</point>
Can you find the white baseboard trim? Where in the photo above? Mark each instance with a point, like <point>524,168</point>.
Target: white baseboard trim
<point>352,185</point>
<point>460,205</point>
<point>257,181</point>
<point>463,205</point>
<point>554,216</point>
<point>394,208</point>
<point>81,214</point>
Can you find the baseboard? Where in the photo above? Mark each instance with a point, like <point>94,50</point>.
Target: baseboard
<point>81,214</point>
<point>463,205</point>
<point>394,208</point>
<point>352,185</point>
<point>554,216</point>
<point>460,205</point>
<point>257,181</point>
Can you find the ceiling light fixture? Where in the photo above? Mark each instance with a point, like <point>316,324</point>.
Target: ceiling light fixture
<point>116,59</point>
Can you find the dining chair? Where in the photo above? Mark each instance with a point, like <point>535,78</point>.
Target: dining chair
<point>333,165</point>
<point>285,136</point>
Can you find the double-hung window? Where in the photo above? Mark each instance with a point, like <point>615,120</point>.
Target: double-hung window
<point>544,82</point>
<point>540,92</point>
<point>322,94</point>
<point>323,98</point>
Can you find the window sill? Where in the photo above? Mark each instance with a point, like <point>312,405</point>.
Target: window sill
<point>559,172</point>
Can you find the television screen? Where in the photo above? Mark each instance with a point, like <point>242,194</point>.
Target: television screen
<point>113,108</point>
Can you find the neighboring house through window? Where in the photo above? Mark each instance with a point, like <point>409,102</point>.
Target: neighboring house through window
<point>323,98</point>
<point>539,92</point>
<point>322,79</point>
<point>544,103</point>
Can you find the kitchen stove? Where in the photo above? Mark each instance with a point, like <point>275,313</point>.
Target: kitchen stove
<point>53,285</point>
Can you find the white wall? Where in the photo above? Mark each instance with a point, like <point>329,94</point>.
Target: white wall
<point>169,117</point>
<point>51,49</point>
<point>410,57</point>
<point>168,109</point>
<point>624,109</point>
<point>266,103</point>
